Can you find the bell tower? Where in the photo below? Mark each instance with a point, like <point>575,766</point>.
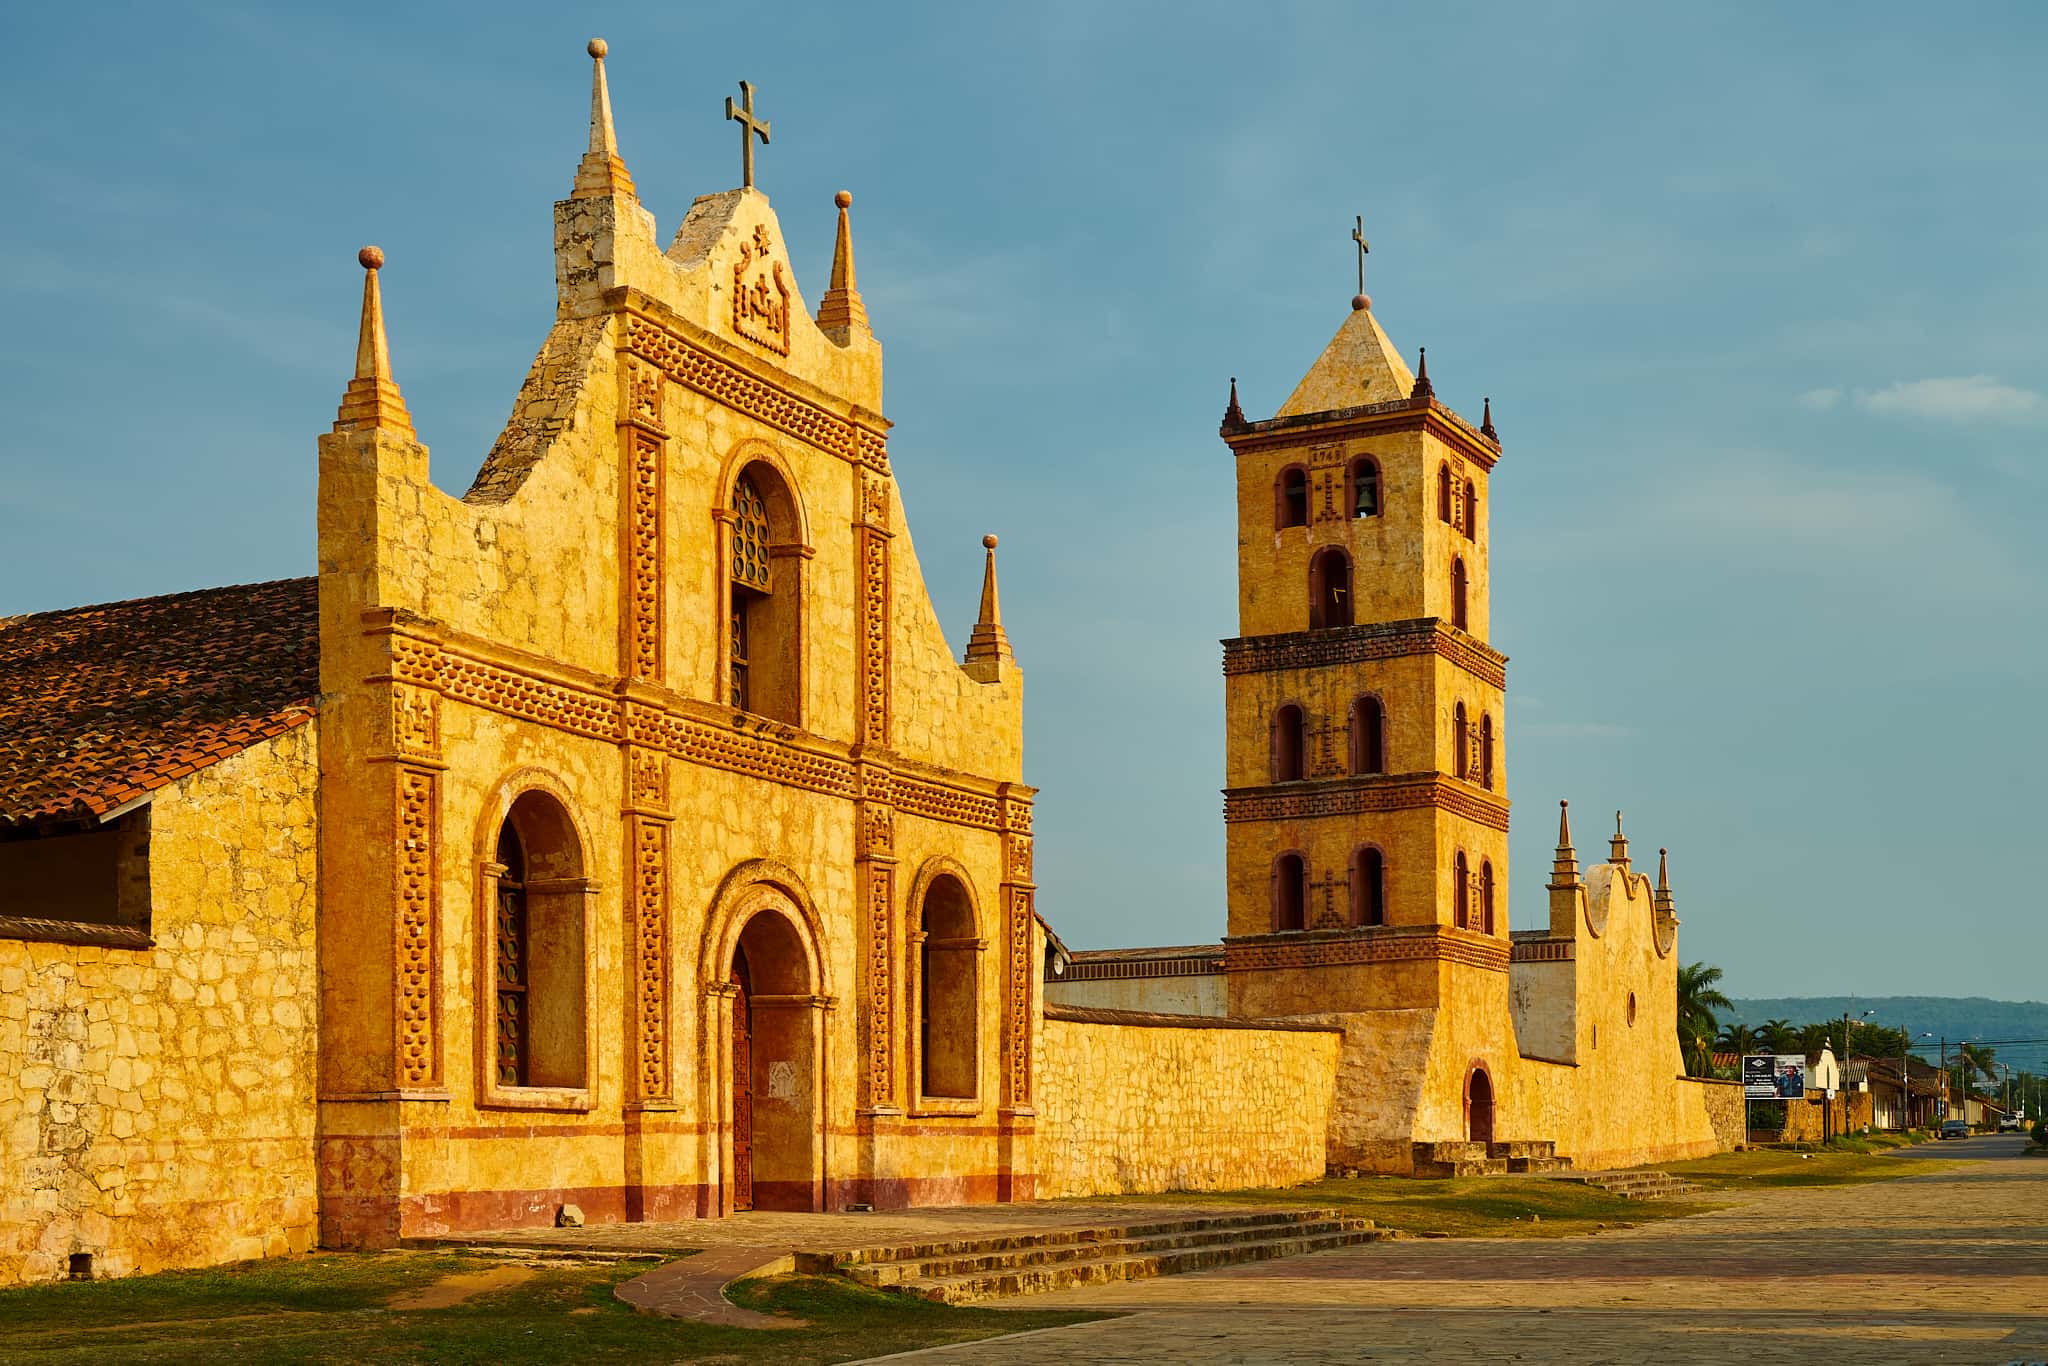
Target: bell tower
<point>1366,810</point>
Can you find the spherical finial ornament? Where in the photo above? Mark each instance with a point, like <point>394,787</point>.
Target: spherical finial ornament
<point>988,542</point>
<point>371,258</point>
<point>844,199</point>
<point>596,48</point>
<point>1360,302</point>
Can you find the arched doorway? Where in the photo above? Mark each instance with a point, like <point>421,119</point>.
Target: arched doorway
<point>774,1068</point>
<point>1479,1106</point>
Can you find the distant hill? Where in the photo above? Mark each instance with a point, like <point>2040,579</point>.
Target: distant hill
<point>1952,1017</point>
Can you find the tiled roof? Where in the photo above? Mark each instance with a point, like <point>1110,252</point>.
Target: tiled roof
<point>100,705</point>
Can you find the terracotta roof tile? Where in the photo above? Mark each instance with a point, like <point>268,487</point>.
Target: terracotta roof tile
<point>100,705</point>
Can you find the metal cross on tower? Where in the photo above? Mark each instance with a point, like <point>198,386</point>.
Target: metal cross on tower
<point>743,115</point>
<point>1358,236</point>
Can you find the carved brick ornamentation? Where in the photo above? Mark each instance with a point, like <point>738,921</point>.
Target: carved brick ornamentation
<point>1359,796</point>
<point>643,555</point>
<point>416,721</point>
<point>878,957</point>
<point>1366,946</point>
<point>511,693</point>
<point>1019,860</point>
<point>721,380</point>
<point>415,661</point>
<point>646,778</point>
<point>1326,484</point>
<point>643,393</point>
<point>941,803</point>
<point>1361,644</point>
<point>419,1052</point>
<point>650,957</point>
<point>874,499</point>
<point>1542,951</point>
<point>874,635</point>
<point>1017,1000</point>
<point>760,301</point>
<point>878,830</point>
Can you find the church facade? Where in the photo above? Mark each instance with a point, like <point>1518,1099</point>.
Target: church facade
<point>624,834</point>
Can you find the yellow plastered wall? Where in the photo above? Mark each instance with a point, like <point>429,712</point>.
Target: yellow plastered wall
<point>156,1105</point>
<point>1126,1109</point>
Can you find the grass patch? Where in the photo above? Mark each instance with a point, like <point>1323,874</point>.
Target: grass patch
<point>1838,1164</point>
<point>332,1308</point>
<point>1488,1207</point>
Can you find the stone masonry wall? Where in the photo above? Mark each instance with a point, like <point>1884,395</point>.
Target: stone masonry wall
<point>1157,1106</point>
<point>156,1105</point>
<point>1724,1108</point>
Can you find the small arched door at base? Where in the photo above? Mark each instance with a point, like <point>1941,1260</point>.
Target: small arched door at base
<point>1479,1107</point>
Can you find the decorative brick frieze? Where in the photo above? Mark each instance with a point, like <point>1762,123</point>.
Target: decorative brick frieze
<point>1361,644</point>
<point>416,968</point>
<point>1398,944</point>
<point>1360,795</point>
<point>1537,950</point>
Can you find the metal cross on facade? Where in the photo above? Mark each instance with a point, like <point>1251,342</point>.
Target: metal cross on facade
<point>743,114</point>
<point>1357,235</point>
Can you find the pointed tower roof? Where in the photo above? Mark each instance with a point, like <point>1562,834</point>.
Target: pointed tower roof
<point>1564,865</point>
<point>1423,388</point>
<point>988,648</point>
<point>1233,415</point>
<point>601,173</point>
<point>1486,424</point>
<point>372,399</point>
<point>1358,366</point>
<point>841,307</point>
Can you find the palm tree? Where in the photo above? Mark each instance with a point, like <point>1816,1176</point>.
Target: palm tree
<point>1973,1060</point>
<point>1698,999</point>
<point>1778,1036</point>
<point>1814,1037</point>
<point>1738,1038</point>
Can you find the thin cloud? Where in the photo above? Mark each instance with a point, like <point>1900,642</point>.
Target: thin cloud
<point>1572,730</point>
<point>1963,398</point>
<point>1820,400</point>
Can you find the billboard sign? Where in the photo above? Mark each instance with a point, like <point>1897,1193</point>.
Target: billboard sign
<point>1768,1076</point>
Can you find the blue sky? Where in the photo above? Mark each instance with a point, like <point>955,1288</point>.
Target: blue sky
<point>1758,293</point>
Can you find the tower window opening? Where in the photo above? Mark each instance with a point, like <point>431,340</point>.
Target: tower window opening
<point>1458,617</point>
<point>1461,743</point>
<point>1486,895</point>
<point>1290,892</point>
<point>1293,508</point>
<point>1368,736</point>
<point>1471,509</point>
<point>1443,494</point>
<point>1290,745</point>
<point>1462,872</point>
<point>1486,750</point>
<point>1329,590</point>
<point>1365,489</point>
<point>1368,887</point>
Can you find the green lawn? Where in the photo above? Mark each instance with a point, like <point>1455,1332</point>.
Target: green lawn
<point>332,1307</point>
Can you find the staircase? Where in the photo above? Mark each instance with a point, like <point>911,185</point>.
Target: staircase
<point>1517,1156</point>
<point>1026,1263</point>
<point>1635,1185</point>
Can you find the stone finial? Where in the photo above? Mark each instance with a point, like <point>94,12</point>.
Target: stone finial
<point>1564,866</point>
<point>1486,424</point>
<point>372,400</point>
<point>1233,415</point>
<point>1423,388</point>
<point>1617,845</point>
<point>1661,902</point>
<point>988,648</point>
<point>601,174</point>
<point>1361,303</point>
<point>841,308</point>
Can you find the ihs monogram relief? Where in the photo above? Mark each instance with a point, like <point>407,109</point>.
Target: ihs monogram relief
<point>760,305</point>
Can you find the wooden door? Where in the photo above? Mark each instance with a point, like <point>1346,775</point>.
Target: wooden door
<point>742,1087</point>
<point>1482,1108</point>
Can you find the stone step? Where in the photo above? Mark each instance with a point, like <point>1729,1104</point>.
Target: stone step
<point>890,1274</point>
<point>1518,1165</point>
<point>1634,1185</point>
<point>1080,1236</point>
<point>1522,1147</point>
<point>1104,1270</point>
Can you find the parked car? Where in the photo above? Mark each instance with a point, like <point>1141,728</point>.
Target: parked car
<point>1955,1128</point>
<point>2012,1124</point>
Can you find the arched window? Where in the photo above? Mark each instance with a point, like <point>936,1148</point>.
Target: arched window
<point>1486,750</point>
<point>1460,741</point>
<point>537,976</point>
<point>1292,504</point>
<point>1329,589</point>
<point>764,628</point>
<point>1471,509</point>
<point>949,1006</point>
<point>1368,887</point>
<point>1486,895</point>
<point>1443,493</point>
<point>1458,592</point>
<point>1462,877</point>
<point>1290,745</point>
<point>1368,736</point>
<point>1365,489</point>
<point>1290,892</point>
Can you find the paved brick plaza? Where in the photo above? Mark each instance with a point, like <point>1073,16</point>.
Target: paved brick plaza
<point>1947,1267</point>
